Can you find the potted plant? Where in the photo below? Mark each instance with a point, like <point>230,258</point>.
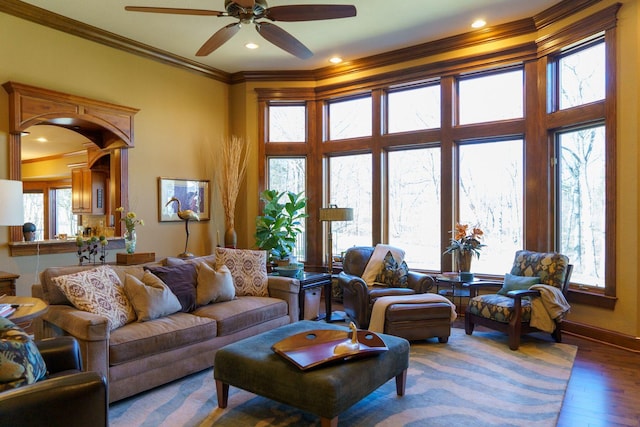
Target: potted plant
<point>464,245</point>
<point>278,227</point>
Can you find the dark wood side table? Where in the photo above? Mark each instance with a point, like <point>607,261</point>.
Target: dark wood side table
<point>8,283</point>
<point>310,280</point>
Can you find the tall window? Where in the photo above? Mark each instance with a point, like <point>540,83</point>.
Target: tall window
<point>66,222</point>
<point>582,202</point>
<point>414,205</point>
<point>490,196</point>
<point>289,174</point>
<point>350,182</point>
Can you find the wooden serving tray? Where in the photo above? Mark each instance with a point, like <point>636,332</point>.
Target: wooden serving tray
<point>315,348</point>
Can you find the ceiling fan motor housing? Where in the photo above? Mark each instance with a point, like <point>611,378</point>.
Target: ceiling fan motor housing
<point>234,9</point>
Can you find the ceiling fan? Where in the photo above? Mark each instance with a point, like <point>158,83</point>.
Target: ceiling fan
<point>250,11</point>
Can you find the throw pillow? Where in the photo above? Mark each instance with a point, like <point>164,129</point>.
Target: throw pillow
<point>514,283</point>
<point>393,274</point>
<point>20,360</point>
<point>248,269</point>
<point>214,285</point>
<point>182,280</point>
<point>151,297</point>
<point>374,264</point>
<point>98,291</point>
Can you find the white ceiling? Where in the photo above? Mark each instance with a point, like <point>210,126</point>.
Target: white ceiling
<point>380,26</point>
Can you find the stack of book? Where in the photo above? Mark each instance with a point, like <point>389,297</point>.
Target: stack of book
<point>6,310</point>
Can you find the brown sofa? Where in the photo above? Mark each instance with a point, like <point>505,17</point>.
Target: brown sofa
<point>142,355</point>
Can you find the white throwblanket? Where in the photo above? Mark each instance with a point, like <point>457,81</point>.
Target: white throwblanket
<point>551,305</point>
<point>380,307</point>
<point>374,266</point>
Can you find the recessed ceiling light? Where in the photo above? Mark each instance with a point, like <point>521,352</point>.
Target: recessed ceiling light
<point>335,60</point>
<point>42,139</point>
<point>251,46</point>
<point>479,23</point>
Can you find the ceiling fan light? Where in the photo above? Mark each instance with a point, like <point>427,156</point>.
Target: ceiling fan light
<point>478,23</point>
<point>251,45</point>
<point>335,60</point>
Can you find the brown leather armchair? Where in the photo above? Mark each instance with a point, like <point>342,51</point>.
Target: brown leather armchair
<point>358,298</point>
<point>68,397</point>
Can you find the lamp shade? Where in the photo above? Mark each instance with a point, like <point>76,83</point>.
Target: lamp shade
<point>336,214</point>
<point>11,203</point>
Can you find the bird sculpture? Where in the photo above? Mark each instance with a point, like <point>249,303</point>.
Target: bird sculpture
<point>185,215</point>
<point>349,345</point>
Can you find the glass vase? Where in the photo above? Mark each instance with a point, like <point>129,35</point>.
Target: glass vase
<point>130,241</point>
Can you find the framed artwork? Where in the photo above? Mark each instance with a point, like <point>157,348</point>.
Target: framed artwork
<point>191,194</point>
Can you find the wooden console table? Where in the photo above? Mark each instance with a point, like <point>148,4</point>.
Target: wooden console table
<point>8,283</point>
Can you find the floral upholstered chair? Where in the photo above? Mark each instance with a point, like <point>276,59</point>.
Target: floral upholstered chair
<point>536,280</point>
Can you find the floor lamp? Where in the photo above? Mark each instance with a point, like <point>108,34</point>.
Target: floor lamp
<point>331,214</point>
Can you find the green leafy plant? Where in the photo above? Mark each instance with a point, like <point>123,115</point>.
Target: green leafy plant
<point>278,227</point>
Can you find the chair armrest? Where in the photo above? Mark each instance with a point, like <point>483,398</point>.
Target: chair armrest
<point>420,282</point>
<point>523,293</point>
<point>60,354</point>
<point>287,289</point>
<point>354,283</point>
<point>71,400</point>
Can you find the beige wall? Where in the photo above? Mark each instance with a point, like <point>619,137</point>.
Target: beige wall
<point>180,112</point>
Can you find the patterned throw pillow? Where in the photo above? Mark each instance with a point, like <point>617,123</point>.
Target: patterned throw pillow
<point>20,360</point>
<point>248,269</point>
<point>393,274</point>
<point>151,297</point>
<point>98,291</point>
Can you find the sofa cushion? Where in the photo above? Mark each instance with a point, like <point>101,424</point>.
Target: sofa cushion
<point>243,312</point>
<point>142,339</point>
<point>98,291</point>
<point>182,280</point>
<point>214,285</point>
<point>20,360</point>
<point>248,269</point>
<point>151,297</point>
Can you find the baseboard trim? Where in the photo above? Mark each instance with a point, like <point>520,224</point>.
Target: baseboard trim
<point>605,336</point>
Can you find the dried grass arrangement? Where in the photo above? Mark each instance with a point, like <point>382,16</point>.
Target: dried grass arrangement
<point>230,167</point>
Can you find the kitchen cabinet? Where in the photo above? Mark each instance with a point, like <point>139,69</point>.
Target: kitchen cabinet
<point>88,191</point>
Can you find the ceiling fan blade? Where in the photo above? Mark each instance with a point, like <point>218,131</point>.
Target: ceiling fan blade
<point>218,39</point>
<point>283,40</point>
<point>173,10</point>
<point>309,12</point>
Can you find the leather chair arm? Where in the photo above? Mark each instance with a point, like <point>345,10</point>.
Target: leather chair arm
<point>72,400</point>
<point>420,282</point>
<point>60,354</point>
<point>354,283</point>
<point>355,298</point>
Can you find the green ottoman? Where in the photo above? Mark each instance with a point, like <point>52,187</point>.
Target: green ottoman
<point>327,391</point>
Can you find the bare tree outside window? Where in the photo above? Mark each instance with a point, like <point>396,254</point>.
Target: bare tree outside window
<point>414,109</point>
<point>350,118</point>
<point>491,197</point>
<point>287,123</point>
<point>350,181</point>
<point>496,96</point>
<point>414,205</point>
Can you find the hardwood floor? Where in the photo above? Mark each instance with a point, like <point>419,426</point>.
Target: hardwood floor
<point>604,389</point>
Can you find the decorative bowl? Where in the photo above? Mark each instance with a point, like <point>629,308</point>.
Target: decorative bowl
<point>291,270</point>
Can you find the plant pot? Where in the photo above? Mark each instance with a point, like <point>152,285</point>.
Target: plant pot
<point>463,261</point>
<point>282,262</point>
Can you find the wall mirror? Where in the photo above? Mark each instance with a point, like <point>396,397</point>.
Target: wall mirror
<point>85,162</point>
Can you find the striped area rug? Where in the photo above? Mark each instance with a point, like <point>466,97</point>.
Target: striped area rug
<point>470,381</point>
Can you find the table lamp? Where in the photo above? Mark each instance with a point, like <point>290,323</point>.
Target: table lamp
<point>329,215</point>
<point>11,203</point>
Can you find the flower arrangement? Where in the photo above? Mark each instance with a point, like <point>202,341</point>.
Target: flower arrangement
<point>130,220</point>
<point>465,241</point>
